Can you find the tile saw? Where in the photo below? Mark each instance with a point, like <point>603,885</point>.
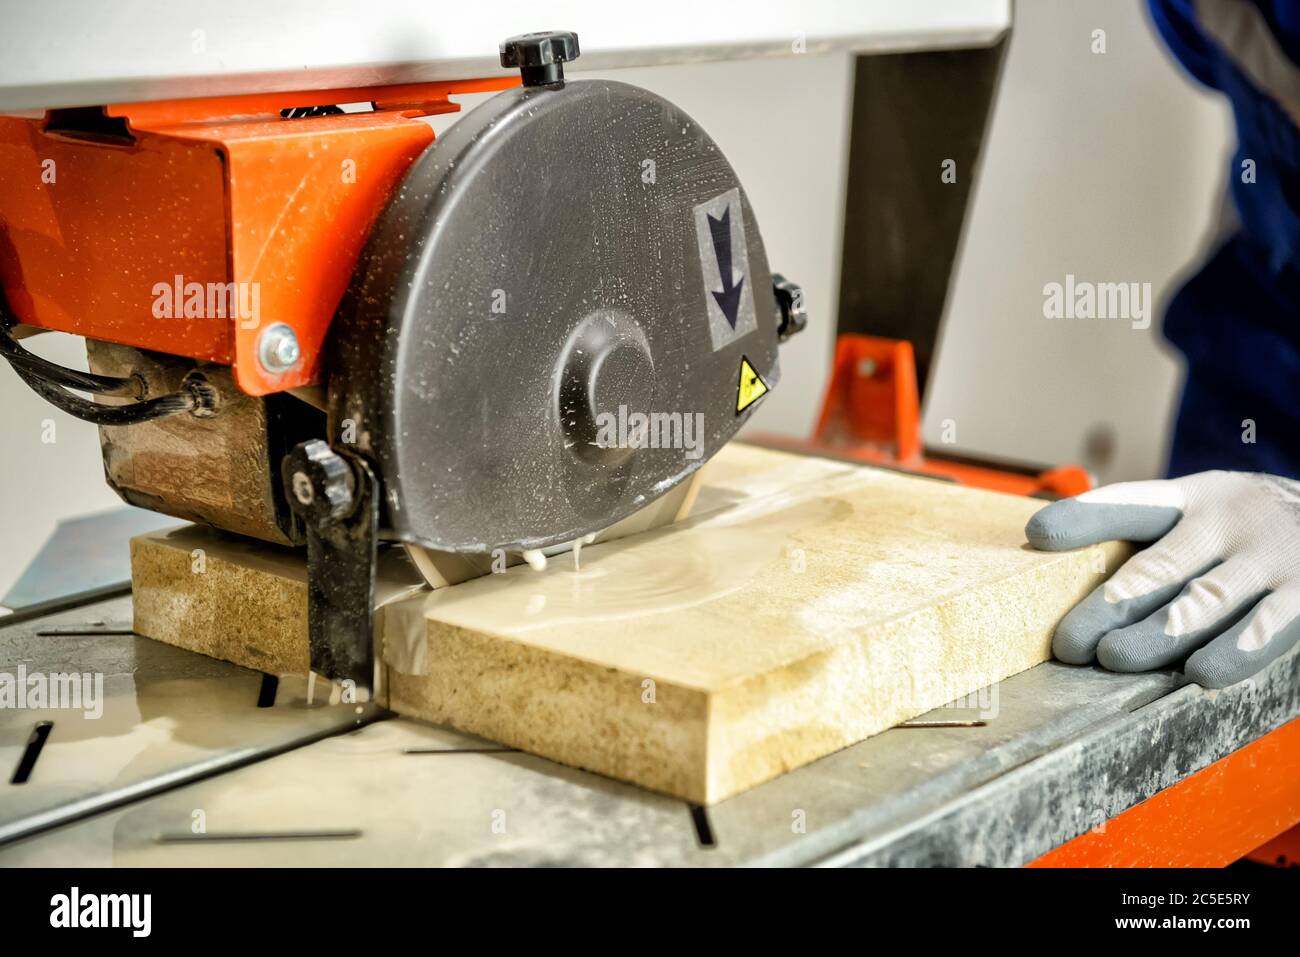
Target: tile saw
<point>569,257</point>
<point>906,796</point>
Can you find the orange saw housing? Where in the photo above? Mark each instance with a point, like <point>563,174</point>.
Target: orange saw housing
<point>187,226</point>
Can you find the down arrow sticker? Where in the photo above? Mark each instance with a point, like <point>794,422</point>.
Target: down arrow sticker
<point>720,231</point>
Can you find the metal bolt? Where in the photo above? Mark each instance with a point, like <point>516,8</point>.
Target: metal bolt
<point>277,348</point>
<point>302,489</point>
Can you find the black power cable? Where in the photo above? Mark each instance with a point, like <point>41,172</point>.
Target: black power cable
<point>52,382</point>
<point>21,359</point>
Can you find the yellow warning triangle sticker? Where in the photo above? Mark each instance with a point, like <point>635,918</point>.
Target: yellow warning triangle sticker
<point>752,387</point>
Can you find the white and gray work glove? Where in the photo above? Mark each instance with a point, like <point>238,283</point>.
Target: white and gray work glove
<point>1221,583</point>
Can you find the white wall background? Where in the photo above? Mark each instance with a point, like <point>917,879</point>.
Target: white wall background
<point>1104,166</point>
<point>1110,167</point>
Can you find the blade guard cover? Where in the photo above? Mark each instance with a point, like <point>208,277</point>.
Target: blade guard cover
<point>561,259</point>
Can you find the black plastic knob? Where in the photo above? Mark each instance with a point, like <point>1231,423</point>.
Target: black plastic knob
<point>318,482</point>
<point>789,299</point>
<point>540,57</point>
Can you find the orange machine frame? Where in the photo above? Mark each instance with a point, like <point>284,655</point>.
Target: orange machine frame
<point>872,413</point>
<point>214,191</point>
<point>1240,804</point>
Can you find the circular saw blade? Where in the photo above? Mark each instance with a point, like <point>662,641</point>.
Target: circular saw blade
<point>440,569</point>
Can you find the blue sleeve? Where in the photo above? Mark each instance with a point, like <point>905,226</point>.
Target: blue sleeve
<point>1179,27</point>
<point>1175,21</point>
<point>1283,19</point>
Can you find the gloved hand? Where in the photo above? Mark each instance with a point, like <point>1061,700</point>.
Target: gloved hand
<point>1221,583</point>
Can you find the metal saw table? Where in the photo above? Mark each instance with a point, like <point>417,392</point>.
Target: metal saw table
<point>197,762</point>
<point>201,763</point>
